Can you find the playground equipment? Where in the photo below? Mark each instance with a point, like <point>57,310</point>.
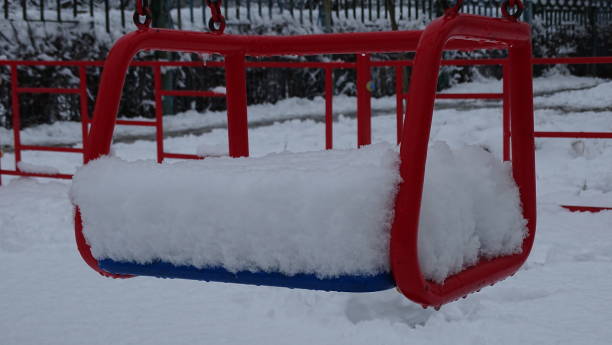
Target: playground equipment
<point>453,31</point>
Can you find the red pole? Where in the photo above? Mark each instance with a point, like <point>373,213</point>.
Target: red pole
<point>237,121</point>
<point>506,112</point>
<point>16,115</point>
<point>159,115</point>
<point>399,101</point>
<point>329,120</point>
<point>413,152</point>
<point>84,107</point>
<point>364,106</point>
<point>521,127</point>
<point>593,209</point>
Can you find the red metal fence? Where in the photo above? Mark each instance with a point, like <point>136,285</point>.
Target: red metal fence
<point>362,65</point>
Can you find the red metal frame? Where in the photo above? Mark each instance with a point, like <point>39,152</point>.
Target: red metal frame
<point>404,235</point>
<point>594,209</point>
<point>454,32</point>
<point>243,147</point>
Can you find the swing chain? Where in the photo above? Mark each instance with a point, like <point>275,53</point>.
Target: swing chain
<point>451,9</point>
<point>516,6</point>
<point>511,9</point>
<point>142,10</point>
<point>216,23</point>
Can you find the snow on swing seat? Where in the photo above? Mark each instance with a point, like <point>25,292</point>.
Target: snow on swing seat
<point>315,216</point>
<point>465,224</point>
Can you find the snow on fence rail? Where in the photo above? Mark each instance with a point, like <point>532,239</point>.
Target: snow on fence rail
<point>363,65</point>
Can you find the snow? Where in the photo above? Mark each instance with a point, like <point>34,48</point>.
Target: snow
<point>309,216</point>
<point>219,89</point>
<point>553,81</point>
<point>37,169</point>
<point>595,98</point>
<point>561,296</point>
<point>288,213</point>
<point>215,150</point>
<point>471,209</point>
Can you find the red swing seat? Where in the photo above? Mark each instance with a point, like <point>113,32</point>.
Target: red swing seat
<point>453,31</point>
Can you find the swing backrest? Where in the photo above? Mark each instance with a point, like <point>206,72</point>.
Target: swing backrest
<point>451,32</point>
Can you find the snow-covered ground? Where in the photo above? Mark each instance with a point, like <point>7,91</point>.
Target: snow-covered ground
<point>561,296</point>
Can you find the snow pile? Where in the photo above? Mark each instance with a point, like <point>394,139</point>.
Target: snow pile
<point>215,150</point>
<point>219,89</point>
<point>596,98</point>
<point>327,213</point>
<point>37,168</point>
<point>320,212</point>
<point>470,209</point>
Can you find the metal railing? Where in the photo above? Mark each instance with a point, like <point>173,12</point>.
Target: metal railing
<point>363,64</point>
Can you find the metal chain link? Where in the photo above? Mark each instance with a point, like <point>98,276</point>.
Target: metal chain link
<point>451,9</point>
<point>143,10</point>
<point>516,6</point>
<point>216,23</point>
<point>511,9</point>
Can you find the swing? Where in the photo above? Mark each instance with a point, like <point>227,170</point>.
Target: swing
<point>452,31</point>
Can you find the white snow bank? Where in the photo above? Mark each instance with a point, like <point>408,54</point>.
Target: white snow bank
<point>216,150</point>
<point>219,89</point>
<point>327,213</point>
<point>597,97</point>
<point>470,209</point>
<point>37,168</point>
<point>553,82</point>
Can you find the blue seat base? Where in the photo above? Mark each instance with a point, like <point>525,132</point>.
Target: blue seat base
<point>347,283</point>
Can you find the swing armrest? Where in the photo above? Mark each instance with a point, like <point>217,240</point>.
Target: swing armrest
<point>437,36</point>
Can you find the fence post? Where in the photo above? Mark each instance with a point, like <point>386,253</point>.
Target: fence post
<point>528,14</point>
<point>191,11</point>
<point>592,18</point>
<point>399,101</point>
<point>159,113</point>
<point>204,21</point>
<point>237,121</point>
<point>122,6</point>
<point>162,19</point>
<point>248,8</point>
<point>364,105</point>
<point>59,10</point>
<point>84,107</point>
<point>329,115</point>
<point>506,112</point>
<point>24,11</point>
<point>16,115</point>
<point>106,15</point>
<point>179,16</point>
<point>325,13</point>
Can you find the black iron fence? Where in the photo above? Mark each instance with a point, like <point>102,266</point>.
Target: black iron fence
<point>552,14</point>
